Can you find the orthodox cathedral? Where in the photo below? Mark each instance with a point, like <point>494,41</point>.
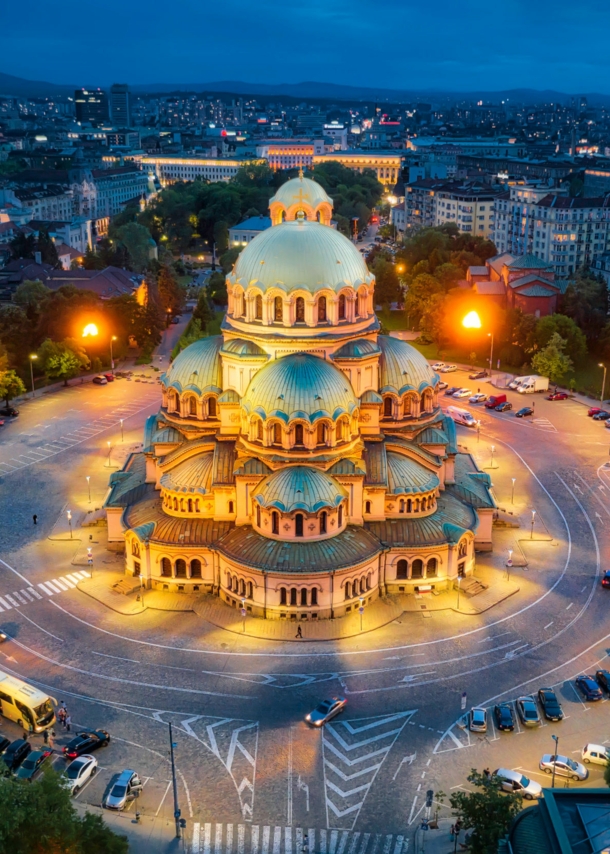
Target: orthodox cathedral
<point>300,464</point>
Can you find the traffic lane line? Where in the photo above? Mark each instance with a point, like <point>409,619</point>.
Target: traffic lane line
<point>578,697</point>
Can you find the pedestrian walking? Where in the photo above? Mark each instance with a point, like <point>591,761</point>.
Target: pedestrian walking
<point>52,739</point>
<point>487,773</point>
<point>35,519</point>
<point>68,722</point>
<point>61,715</point>
<point>299,633</point>
<point>45,736</point>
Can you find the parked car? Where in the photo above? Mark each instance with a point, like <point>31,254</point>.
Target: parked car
<point>4,743</point>
<point>438,366</point>
<point>447,369</point>
<point>451,390</point>
<point>593,410</point>
<point>558,395</point>
<point>9,412</point>
<point>100,380</point>
<point>109,377</point>
<point>528,711</point>
<point>564,767</point>
<point>15,753</point>
<point>602,676</point>
<point>462,392</point>
<point>504,717</point>
<point>32,764</point>
<point>514,781</point>
<point>551,706</point>
<point>524,412</point>
<point>478,375</point>
<point>440,386</point>
<point>606,577</point>
<point>477,721</point>
<point>602,415</point>
<point>595,753</point>
<point>85,742</point>
<point>589,688</point>
<point>504,407</point>
<point>78,772</point>
<point>326,710</point>
<point>479,397</point>
<point>124,788</point>
<point>1,422</point>
<point>494,400</point>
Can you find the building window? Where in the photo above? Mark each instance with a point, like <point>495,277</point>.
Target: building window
<point>293,596</point>
<point>321,434</point>
<point>298,434</point>
<point>278,310</point>
<point>431,567</point>
<point>192,406</point>
<point>166,567</point>
<point>304,597</point>
<point>387,407</point>
<point>231,507</point>
<point>367,506</point>
<point>212,407</point>
<point>259,430</point>
<point>283,597</point>
<point>342,307</point>
<point>298,525</point>
<point>190,505</point>
<point>314,596</point>
<point>401,506</point>
<point>275,522</point>
<point>258,308</point>
<point>463,549</point>
<point>180,568</point>
<point>300,310</point>
<point>348,590</point>
<point>322,310</point>
<point>340,515</point>
<point>196,568</point>
<point>135,548</point>
<point>250,590</point>
<point>323,521</point>
<point>258,516</point>
<point>417,568</point>
<point>136,568</point>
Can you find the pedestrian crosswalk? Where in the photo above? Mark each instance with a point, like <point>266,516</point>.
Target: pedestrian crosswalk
<point>27,595</point>
<point>268,839</point>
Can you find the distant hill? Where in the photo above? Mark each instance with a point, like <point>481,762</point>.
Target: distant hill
<point>18,86</point>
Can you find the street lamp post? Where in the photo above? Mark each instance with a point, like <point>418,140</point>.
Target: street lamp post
<point>109,452</point>
<point>142,588</point>
<point>459,583</point>
<point>533,520</point>
<point>601,365</point>
<point>243,613</point>
<point>69,515</point>
<point>88,479</point>
<point>121,431</point>
<point>509,563</point>
<point>32,357</point>
<point>361,610</point>
<point>478,432</point>
<point>556,740</point>
<point>491,355</point>
<point>112,338</point>
<point>512,494</point>
<point>175,784</point>
<point>493,449</point>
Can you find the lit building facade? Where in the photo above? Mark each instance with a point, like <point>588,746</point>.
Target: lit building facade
<point>386,165</point>
<point>170,169</point>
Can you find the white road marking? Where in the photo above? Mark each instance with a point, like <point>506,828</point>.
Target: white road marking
<point>67,581</point>
<point>47,588</point>
<point>5,604</point>
<point>163,798</point>
<point>60,584</point>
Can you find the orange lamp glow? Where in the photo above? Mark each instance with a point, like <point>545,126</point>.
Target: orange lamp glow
<point>472,321</point>
<point>90,330</point>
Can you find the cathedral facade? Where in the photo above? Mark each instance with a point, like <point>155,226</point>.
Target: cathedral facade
<point>300,465</point>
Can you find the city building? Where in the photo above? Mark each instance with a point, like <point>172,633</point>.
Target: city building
<point>290,154</point>
<point>120,105</point>
<point>433,201</point>
<point>172,168</point>
<point>526,283</point>
<point>385,164</point>
<point>563,821</point>
<point>115,187</point>
<point>566,232</point>
<point>75,233</point>
<point>300,464</point>
<point>91,106</point>
<point>597,181</point>
<point>247,230</point>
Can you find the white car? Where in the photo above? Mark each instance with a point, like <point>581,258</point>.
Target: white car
<point>462,392</point>
<point>514,781</point>
<point>477,721</point>
<point>442,385</point>
<point>595,753</point>
<point>438,366</point>
<point>447,369</point>
<point>479,397</point>
<point>564,767</point>
<point>78,772</point>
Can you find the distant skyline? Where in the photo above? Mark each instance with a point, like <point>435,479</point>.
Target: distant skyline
<point>546,44</point>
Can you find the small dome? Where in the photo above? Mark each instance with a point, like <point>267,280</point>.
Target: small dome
<point>358,349</point>
<point>403,368</point>
<point>197,367</point>
<point>300,386</point>
<point>241,347</point>
<point>191,476</point>
<point>301,190</point>
<point>300,255</point>
<point>299,488</point>
<point>405,476</point>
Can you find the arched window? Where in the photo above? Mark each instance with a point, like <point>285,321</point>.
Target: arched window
<point>367,506</point>
<point>230,582</point>
<point>322,310</point>
<point>348,590</point>
<point>402,568</point>
<point>212,407</point>
<point>340,519</point>
<point>300,310</point>
<point>278,310</point>
<point>166,567</point>
<point>259,430</point>
<point>387,407</point>
<point>323,521</point>
<point>298,525</point>
<point>258,308</point>
<point>175,503</point>
<point>401,508</point>
<point>182,505</point>
<point>314,596</point>
<point>172,401</point>
<point>231,507</point>
<point>409,505</point>
<point>135,548</point>
<point>277,434</point>
<point>196,568</point>
<point>258,515</point>
<point>283,598</point>
<point>341,306</point>
<point>298,434</point>
<point>180,568</point>
<point>293,596</point>
<point>321,439</point>
<point>196,505</point>
<point>250,590</point>
<point>192,406</point>
<point>242,587</point>
<point>190,505</point>
<point>417,568</point>
<point>463,549</point>
<point>304,597</point>
<point>431,567</point>
<point>362,586</point>
<point>275,522</point>
<point>339,431</point>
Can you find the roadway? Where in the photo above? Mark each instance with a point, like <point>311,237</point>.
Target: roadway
<point>249,767</point>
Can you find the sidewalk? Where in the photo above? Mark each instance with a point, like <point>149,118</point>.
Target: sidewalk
<point>151,833</point>
<point>437,840</point>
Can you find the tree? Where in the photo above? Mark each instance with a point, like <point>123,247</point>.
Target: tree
<point>228,259</point>
<point>62,360</point>
<point>48,252</point>
<point>217,287</point>
<point>221,236</point>
<point>30,295</point>
<point>203,311</point>
<point>170,292</point>
<point>136,239</point>
<point>60,828</point>
<point>488,812</point>
<point>566,328</point>
<point>10,386</point>
<point>387,286</point>
<point>586,302</point>
<point>551,361</point>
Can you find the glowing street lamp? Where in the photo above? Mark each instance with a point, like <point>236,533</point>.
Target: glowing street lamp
<point>32,357</point>
<point>601,365</point>
<point>90,331</point>
<point>69,515</point>
<point>533,520</point>
<point>88,479</point>
<point>472,321</point>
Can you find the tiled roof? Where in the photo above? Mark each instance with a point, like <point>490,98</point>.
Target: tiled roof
<point>499,261</point>
<point>191,476</point>
<point>489,288</point>
<point>357,349</point>
<point>537,291</point>
<point>254,223</point>
<point>348,467</point>
<point>205,444</point>
<point>529,261</point>
<point>429,530</point>
<point>128,485</point>
<point>224,462</point>
<point>252,466</point>
<point>197,367</point>
<point>471,485</point>
<point>172,530</point>
<point>432,436</point>
<point>376,464</point>
<point>564,202</point>
<point>402,367</point>
<point>530,279</point>
<point>299,488</point>
<point>405,476</point>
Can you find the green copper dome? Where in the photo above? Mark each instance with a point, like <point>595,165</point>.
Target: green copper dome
<point>405,476</point>
<point>358,349</point>
<point>244,349</point>
<point>197,367</point>
<point>300,255</point>
<point>299,488</point>
<point>299,386</point>
<point>301,190</point>
<point>403,368</point>
<point>191,476</point>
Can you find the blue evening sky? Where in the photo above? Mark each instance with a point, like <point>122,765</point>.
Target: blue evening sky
<point>465,45</point>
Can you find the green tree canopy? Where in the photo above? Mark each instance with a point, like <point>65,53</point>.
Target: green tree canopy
<point>136,239</point>
<point>30,296</point>
<point>551,361</point>
<point>487,812</point>
<point>171,294</point>
<point>62,360</point>
<point>10,386</point>
<point>387,287</point>
<point>586,302</point>
<point>566,328</point>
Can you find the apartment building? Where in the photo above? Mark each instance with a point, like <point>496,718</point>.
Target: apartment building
<point>170,169</point>
<point>433,201</point>
<point>290,153</point>
<point>117,186</point>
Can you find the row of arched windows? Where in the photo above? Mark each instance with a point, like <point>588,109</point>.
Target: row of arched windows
<point>299,521</point>
<point>188,505</point>
<point>180,569</point>
<point>299,435</point>
<point>358,587</point>
<point>188,405</point>
<point>417,568</point>
<point>240,587</point>
<point>278,307</point>
<point>416,505</point>
<point>411,406</point>
<point>296,597</point>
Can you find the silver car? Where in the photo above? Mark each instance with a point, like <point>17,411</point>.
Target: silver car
<point>564,767</point>
<point>125,787</point>
<point>325,711</point>
<point>477,720</point>
<point>515,781</point>
<point>78,772</point>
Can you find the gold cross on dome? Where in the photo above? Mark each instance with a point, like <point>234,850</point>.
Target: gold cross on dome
<point>301,172</point>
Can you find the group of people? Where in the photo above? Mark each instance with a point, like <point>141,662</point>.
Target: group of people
<point>63,716</point>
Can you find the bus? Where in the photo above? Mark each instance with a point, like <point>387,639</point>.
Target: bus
<point>29,707</point>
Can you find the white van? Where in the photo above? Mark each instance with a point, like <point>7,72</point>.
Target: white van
<point>595,753</point>
<point>462,416</point>
<point>517,382</point>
